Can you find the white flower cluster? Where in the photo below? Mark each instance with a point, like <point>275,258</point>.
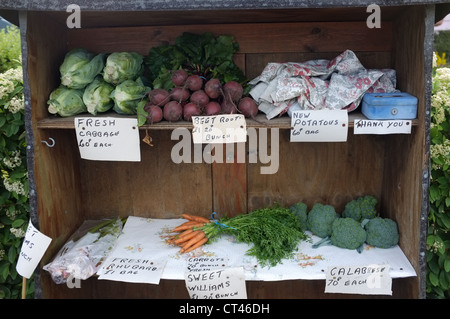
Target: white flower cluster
<point>16,104</point>
<point>440,102</point>
<point>7,80</point>
<point>441,98</point>
<point>14,186</point>
<point>12,214</point>
<point>438,150</point>
<point>18,232</point>
<point>435,246</point>
<point>15,160</point>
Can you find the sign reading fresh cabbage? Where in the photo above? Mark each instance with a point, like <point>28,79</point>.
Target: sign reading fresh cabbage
<point>80,67</point>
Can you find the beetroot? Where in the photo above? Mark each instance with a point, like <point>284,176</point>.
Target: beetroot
<point>172,111</point>
<point>179,94</point>
<point>233,90</point>
<point>248,107</point>
<point>213,88</point>
<point>189,110</point>
<point>194,82</point>
<point>179,77</point>
<point>155,113</point>
<point>158,96</point>
<point>228,107</point>
<point>200,98</point>
<point>212,108</point>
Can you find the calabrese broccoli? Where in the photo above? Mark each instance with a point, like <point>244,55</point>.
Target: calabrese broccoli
<point>300,211</point>
<point>320,218</point>
<point>381,232</point>
<point>345,233</point>
<point>361,208</point>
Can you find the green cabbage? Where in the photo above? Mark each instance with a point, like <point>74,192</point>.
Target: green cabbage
<point>97,96</point>
<point>66,102</point>
<point>80,67</point>
<point>127,95</point>
<point>121,66</point>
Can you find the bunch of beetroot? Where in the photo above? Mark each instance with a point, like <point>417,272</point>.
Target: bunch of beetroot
<point>193,96</point>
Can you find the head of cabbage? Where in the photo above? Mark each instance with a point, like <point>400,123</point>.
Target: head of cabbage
<point>121,66</point>
<point>80,67</point>
<point>127,95</point>
<point>66,102</point>
<point>97,96</point>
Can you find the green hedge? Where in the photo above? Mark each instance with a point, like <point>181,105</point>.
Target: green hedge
<point>14,207</point>
<point>438,239</point>
<point>9,48</point>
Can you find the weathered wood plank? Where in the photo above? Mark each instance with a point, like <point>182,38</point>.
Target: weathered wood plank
<point>252,38</point>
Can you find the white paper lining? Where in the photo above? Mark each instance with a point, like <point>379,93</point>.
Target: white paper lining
<point>145,238</point>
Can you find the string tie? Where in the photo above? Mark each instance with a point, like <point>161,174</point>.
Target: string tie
<point>216,221</point>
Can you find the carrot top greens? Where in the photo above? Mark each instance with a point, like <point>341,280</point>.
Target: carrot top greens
<point>274,233</point>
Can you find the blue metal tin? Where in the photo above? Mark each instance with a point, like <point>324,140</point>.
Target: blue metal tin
<point>389,106</point>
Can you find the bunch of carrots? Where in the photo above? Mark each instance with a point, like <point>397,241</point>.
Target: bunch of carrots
<point>190,235</point>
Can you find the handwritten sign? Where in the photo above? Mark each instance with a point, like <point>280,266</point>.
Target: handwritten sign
<point>198,264</point>
<point>33,248</point>
<point>363,126</point>
<point>140,270</point>
<point>225,128</point>
<point>319,126</point>
<point>364,280</point>
<point>108,138</point>
<point>226,283</point>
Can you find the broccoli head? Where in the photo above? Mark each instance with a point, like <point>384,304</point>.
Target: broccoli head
<point>300,212</point>
<point>347,233</point>
<point>361,208</point>
<point>381,232</point>
<point>320,218</point>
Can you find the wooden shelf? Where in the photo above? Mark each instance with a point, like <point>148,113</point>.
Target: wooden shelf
<point>283,122</point>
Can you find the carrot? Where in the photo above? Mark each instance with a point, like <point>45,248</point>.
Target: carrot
<point>185,238</point>
<point>196,218</point>
<point>200,235</point>
<point>185,227</point>
<point>184,233</point>
<point>197,244</point>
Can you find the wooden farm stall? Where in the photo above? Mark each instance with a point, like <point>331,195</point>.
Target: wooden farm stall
<point>67,190</point>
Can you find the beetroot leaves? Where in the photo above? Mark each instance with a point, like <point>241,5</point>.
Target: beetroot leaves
<point>203,55</point>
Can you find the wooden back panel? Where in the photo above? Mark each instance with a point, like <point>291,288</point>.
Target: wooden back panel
<point>157,187</point>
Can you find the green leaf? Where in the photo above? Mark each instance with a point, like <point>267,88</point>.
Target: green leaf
<point>4,270</point>
<point>17,223</point>
<point>443,279</point>
<point>434,279</point>
<point>445,219</point>
<point>12,254</point>
<point>434,193</point>
<point>430,240</point>
<point>447,264</point>
<point>447,201</point>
